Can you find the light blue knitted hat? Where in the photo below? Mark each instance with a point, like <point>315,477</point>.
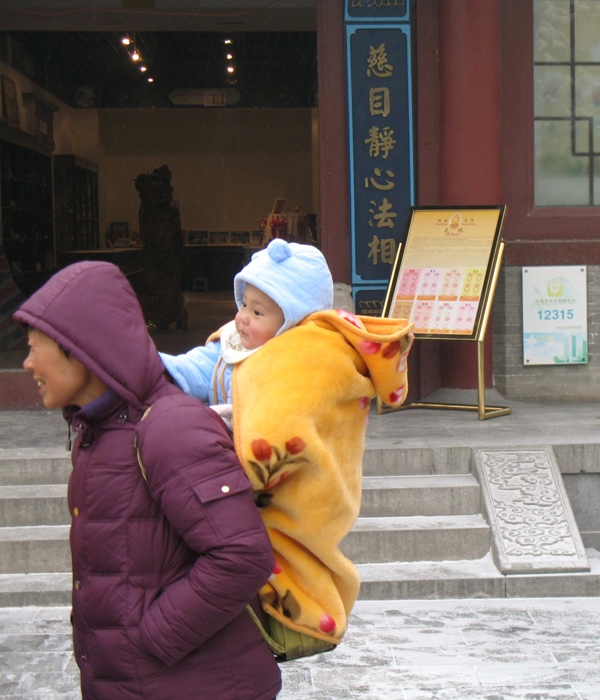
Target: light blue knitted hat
<point>295,276</point>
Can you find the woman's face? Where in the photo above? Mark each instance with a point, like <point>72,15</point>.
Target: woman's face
<point>63,380</point>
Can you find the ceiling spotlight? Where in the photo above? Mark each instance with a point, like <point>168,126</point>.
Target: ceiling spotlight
<point>229,56</point>
<point>150,80</point>
<point>230,69</point>
<point>143,69</point>
<point>227,41</point>
<point>125,40</point>
<point>135,56</point>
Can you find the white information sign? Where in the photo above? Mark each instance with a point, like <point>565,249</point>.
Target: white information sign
<point>555,315</point>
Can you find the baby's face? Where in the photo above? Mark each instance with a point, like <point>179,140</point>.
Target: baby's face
<point>258,319</point>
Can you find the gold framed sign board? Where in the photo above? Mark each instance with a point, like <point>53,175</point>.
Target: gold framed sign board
<point>442,273</point>
<point>444,278</point>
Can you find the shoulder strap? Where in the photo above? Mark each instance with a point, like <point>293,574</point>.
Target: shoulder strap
<point>137,448</point>
<point>276,648</point>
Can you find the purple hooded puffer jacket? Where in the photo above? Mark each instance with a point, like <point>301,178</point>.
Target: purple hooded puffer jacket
<point>163,568</point>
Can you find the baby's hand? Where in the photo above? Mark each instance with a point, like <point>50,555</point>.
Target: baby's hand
<point>225,410</point>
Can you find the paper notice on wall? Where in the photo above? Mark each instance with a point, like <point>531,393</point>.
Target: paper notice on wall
<point>555,315</point>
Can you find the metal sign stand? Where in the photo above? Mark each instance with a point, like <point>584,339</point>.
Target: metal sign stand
<point>484,412</point>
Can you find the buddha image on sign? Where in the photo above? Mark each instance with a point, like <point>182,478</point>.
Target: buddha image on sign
<point>455,221</point>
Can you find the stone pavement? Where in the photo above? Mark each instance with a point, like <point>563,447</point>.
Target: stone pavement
<point>529,424</point>
<point>483,649</point>
<point>403,650</point>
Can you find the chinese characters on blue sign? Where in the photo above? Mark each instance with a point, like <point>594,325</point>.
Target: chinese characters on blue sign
<point>381,149</point>
<point>377,9</point>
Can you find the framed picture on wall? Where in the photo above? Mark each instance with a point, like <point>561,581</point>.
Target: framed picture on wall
<point>240,237</point>
<point>44,122</point>
<point>219,238</point>
<point>10,105</point>
<point>197,237</point>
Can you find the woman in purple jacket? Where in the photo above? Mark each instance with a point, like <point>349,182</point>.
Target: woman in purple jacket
<point>168,550</point>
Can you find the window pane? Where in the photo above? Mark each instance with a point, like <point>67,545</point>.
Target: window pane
<point>587,90</point>
<point>582,136</point>
<point>567,102</point>
<point>561,179</point>
<point>552,91</point>
<point>587,40</point>
<point>551,27</point>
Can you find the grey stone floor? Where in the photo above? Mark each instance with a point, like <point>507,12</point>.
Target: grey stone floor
<point>482,649</point>
<point>394,650</point>
<point>529,423</point>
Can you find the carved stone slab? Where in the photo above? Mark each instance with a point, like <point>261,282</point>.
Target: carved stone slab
<point>525,501</point>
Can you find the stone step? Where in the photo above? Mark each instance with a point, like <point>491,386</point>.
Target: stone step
<point>53,465</point>
<point>41,549</point>
<point>446,494</point>
<point>418,538</point>
<point>45,504</point>
<point>418,461</point>
<point>392,581</point>
<point>421,533</point>
<point>34,504</point>
<point>46,589</point>
<point>441,538</point>
<point>471,579</point>
<point>34,466</point>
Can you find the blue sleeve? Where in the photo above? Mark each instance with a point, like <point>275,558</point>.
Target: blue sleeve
<point>193,371</point>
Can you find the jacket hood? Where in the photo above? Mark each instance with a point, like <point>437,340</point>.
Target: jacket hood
<point>91,310</point>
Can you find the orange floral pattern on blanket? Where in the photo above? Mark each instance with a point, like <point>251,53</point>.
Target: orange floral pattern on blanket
<point>301,404</point>
<point>270,460</point>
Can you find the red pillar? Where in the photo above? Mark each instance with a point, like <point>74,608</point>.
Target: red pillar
<point>333,139</point>
<point>470,139</point>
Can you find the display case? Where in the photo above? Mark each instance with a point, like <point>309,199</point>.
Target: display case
<point>75,204</point>
<point>26,203</point>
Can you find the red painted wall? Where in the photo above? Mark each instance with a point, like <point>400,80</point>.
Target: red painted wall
<point>470,138</point>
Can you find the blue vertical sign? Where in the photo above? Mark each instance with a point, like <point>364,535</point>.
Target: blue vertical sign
<point>381,137</point>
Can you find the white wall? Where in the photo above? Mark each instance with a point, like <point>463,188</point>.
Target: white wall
<point>228,166</point>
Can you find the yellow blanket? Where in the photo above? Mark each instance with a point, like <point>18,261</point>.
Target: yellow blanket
<point>300,406</point>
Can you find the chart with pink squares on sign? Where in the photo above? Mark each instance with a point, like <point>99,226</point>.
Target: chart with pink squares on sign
<point>444,274</point>
<point>422,312</point>
<point>428,283</point>
<point>451,284</point>
<point>465,316</point>
<point>441,321</point>
<point>407,288</point>
<point>402,308</point>
<point>473,284</point>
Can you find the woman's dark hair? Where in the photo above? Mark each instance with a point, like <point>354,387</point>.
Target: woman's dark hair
<point>27,328</point>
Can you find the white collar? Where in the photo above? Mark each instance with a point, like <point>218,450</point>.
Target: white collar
<point>231,345</point>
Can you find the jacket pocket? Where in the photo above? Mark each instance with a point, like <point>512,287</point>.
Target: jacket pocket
<point>227,503</point>
<point>224,485</point>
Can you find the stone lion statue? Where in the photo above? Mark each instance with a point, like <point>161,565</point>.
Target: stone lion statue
<point>159,285</point>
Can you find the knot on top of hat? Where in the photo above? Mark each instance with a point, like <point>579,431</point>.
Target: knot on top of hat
<point>279,250</point>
